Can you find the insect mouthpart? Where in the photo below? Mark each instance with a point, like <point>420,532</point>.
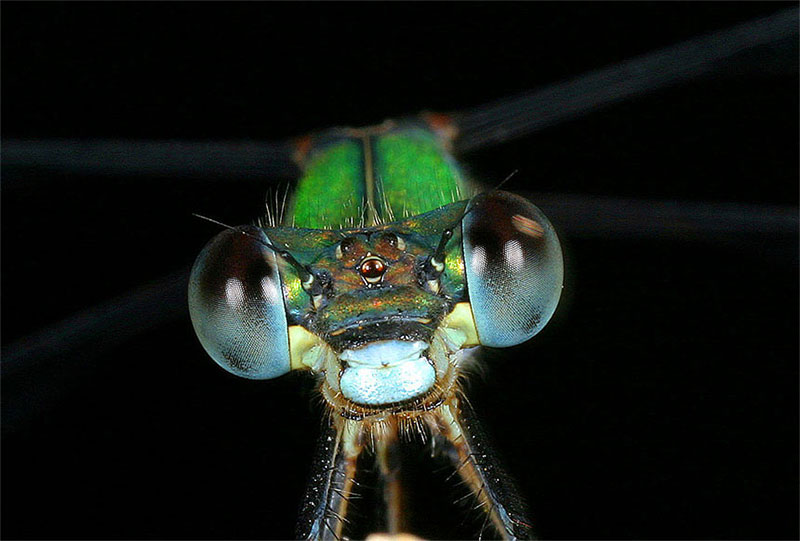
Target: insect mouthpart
<point>386,329</point>
<point>386,372</point>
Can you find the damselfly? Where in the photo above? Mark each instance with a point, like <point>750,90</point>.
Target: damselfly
<point>380,280</point>
<point>680,263</point>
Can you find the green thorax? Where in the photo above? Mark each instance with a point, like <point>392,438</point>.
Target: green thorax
<point>363,177</point>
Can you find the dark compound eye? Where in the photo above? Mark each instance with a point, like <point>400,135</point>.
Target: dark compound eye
<point>514,268</point>
<point>236,304</point>
<point>372,269</point>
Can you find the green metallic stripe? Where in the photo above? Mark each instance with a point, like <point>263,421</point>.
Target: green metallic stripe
<point>367,179</point>
<point>331,192</point>
<point>415,174</point>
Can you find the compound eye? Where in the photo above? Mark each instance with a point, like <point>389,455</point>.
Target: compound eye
<point>236,304</point>
<point>514,267</point>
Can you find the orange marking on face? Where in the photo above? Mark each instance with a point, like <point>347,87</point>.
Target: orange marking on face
<point>526,226</point>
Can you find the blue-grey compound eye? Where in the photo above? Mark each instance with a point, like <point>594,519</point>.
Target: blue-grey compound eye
<point>514,267</point>
<point>236,305</point>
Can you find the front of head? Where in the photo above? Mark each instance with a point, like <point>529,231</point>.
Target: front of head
<point>381,313</point>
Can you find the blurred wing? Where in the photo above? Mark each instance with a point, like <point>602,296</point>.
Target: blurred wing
<point>770,42</point>
<point>766,43</point>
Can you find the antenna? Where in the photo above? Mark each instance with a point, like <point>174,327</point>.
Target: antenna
<point>306,275</point>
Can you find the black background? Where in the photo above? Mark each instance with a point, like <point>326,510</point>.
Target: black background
<point>661,402</point>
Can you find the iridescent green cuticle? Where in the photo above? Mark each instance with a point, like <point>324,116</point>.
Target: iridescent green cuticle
<point>331,192</point>
<point>414,174</point>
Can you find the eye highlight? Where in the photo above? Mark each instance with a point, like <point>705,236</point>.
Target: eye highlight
<point>344,247</point>
<point>514,267</point>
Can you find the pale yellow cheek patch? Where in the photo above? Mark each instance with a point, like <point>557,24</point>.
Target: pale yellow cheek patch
<point>303,348</point>
<point>458,330</point>
<point>459,326</point>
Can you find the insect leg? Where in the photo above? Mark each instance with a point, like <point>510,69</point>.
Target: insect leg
<point>324,512</point>
<point>462,440</point>
<point>388,458</point>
